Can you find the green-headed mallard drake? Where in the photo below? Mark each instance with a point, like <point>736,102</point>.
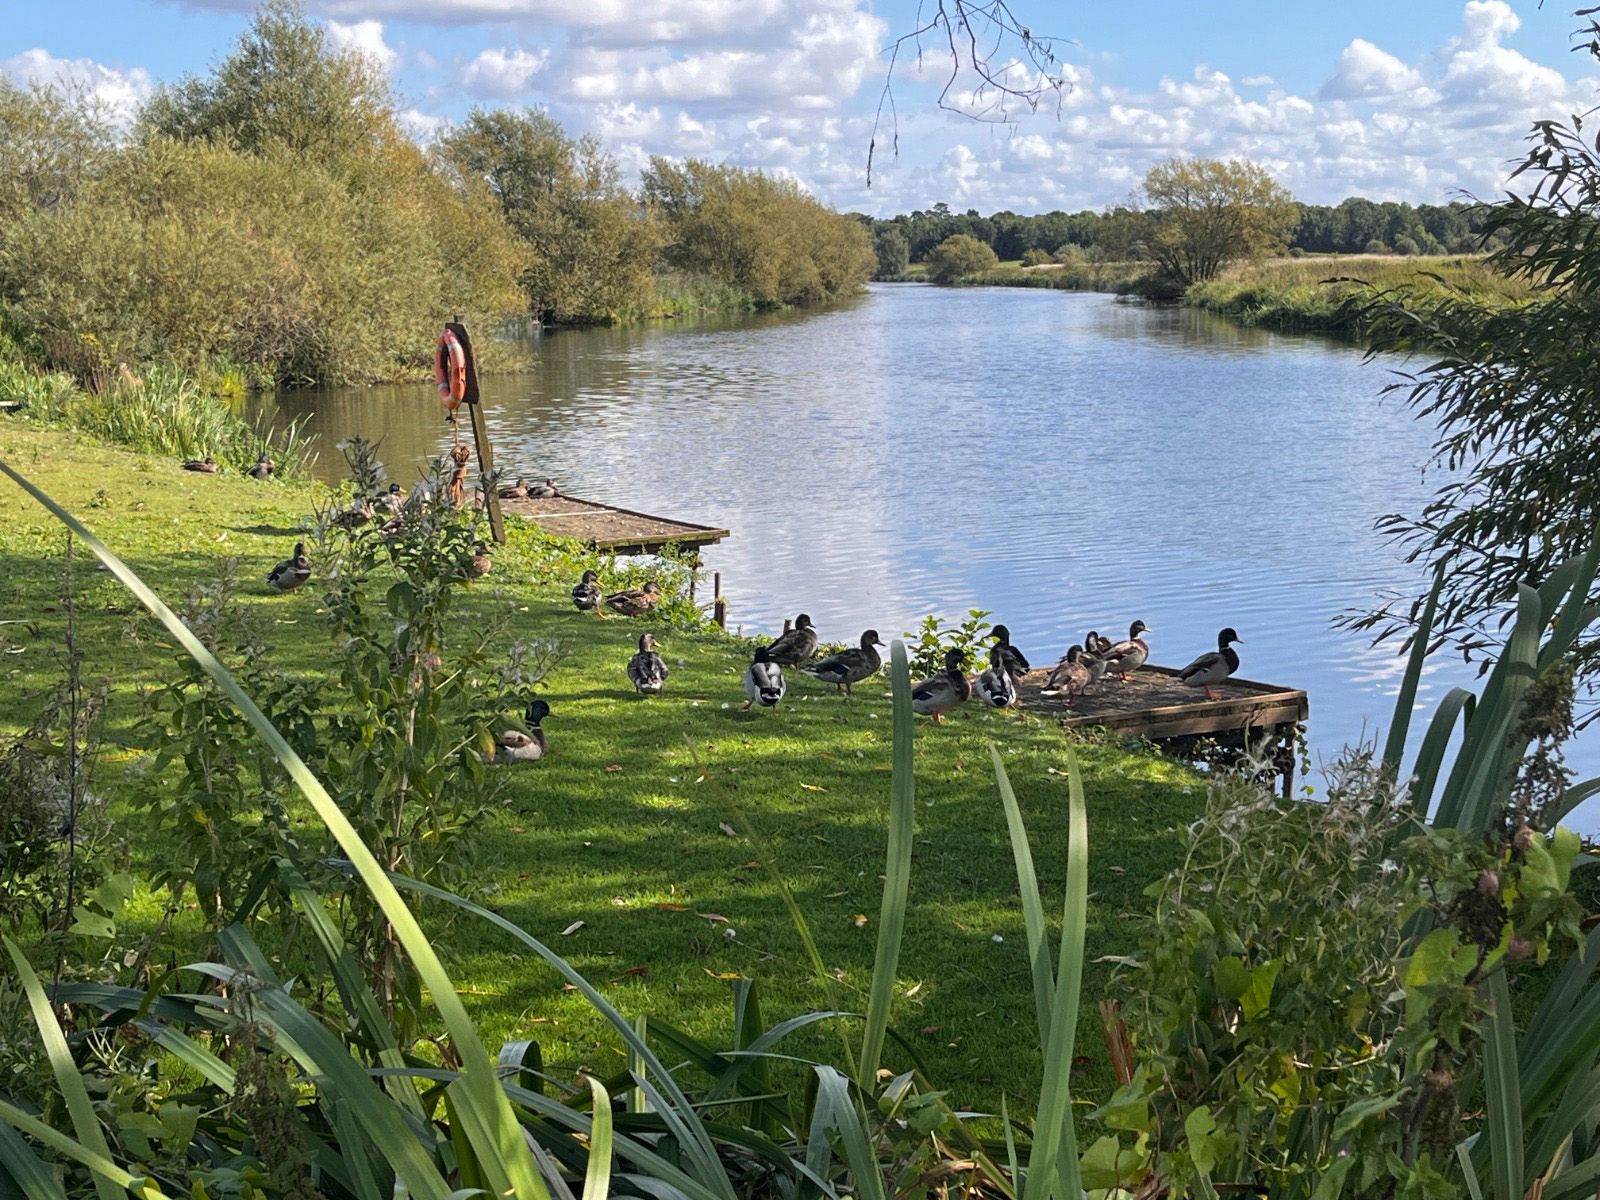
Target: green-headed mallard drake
<point>794,645</point>
<point>1016,661</point>
<point>1073,674</point>
<point>996,686</point>
<point>515,745</point>
<point>515,491</point>
<point>1212,668</point>
<point>946,690</point>
<point>647,669</point>
<point>586,593</point>
<point>635,602</point>
<point>292,572</point>
<point>479,564</point>
<point>392,499</point>
<point>263,469</point>
<point>1127,657</point>
<point>763,681</point>
<point>544,491</point>
<point>848,667</point>
<point>206,465</point>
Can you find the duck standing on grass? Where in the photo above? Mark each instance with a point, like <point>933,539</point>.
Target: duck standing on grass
<point>1212,668</point>
<point>291,573</point>
<point>206,465</point>
<point>514,745</point>
<point>647,669</point>
<point>996,687</point>
<point>848,667</point>
<point>263,469</point>
<point>1015,661</point>
<point>586,593</point>
<point>945,691</point>
<point>763,681</point>
<point>1073,674</point>
<point>635,602</point>
<point>794,645</point>
<point>1127,657</point>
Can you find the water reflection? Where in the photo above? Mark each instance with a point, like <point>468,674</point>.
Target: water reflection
<point>1064,460</point>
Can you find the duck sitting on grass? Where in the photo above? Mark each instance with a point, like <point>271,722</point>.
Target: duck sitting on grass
<point>480,563</point>
<point>515,745</point>
<point>996,686</point>
<point>763,681</point>
<point>647,669</point>
<point>1214,667</point>
<point>586,593</point>
<point>292,572</point>
<point>205,466</point>
<point>635,602</point>
<point>263,469</point>
<point>947,690</point>
<point>849,667</point>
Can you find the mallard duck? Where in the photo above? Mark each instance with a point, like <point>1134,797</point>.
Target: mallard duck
<point>1127,657</point>
<point>517,746</point>
<point>1016,661</point>
<point>586,593</point>
<point>515,491</point>
<point>357,515</point>
<point>545,491</point>
<point>392,499</point>
<point>1073,674</point>
<point>848,667</point>
<point>996,687</point>
<point>647,669</point>
<point>949,689</point>
<point>1212,668</point>
<point>263,469</point>
<point>1096,644</point>
<point>763,681</point>
<point>206,465</point>
<point>635,602</point>
<point>794,646</point>
<point>480,562</point>
<point>292,572</point>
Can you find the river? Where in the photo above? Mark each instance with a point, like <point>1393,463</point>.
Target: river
<point>1062,459</point>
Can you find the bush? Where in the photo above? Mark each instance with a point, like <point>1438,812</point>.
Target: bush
<point>1036,257</point>
<point>959,255</point>
<point>893,253</point>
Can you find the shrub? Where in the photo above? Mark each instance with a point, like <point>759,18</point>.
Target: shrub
<point>1036,257</point>
<point>959,255</point>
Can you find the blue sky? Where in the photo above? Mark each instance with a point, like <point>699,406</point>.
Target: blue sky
<point>1410,99</point>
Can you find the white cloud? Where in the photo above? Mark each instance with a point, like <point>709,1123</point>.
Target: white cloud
<point>118,92</point>
<point>503,72</point>
<point>364,37</point>
<point>1366,72</point>
<point>422,127</point>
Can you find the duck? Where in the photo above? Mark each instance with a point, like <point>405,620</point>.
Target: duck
<point>1127,657</point>
<point>545,491</point>
<point>848,667</point>
<point>947,690</point>
<point>647,668</point>
<point>1073,674</point>
<point>479,564</point>
<point>357,515</point>
<point>1096,644</point>
<point>393,498</point>
<point>996,686</point>
<point>635,602</point>
<point>515,745</point>
<point>1214,666</point>
<point>516,491</point>
<point>292,572</point>
<point>1016,662</point>
<point>763,681</point>
<point>794,645</point>
<point>586,593</point>
<point>263,469</point>
<point>206,465</point>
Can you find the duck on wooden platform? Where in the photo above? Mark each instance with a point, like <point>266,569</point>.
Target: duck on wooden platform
<point>947,690</point>
<point>763,681</point>
<point>206,465</point>
<point>1127,657</point>
<point>996,686</point>
<point>1215,666</point>
<point>1016,662</point>
<point>292,572</point>
<point>263,469</point>
<point>794,645</point>
<point>1096,644</point>
<point>545,491</point>
<point>516,745</point>
<point>586,593</point>
<point>849,667</point>
<point>635,602</point>
<point>515,491</point>
<point>647,669</point>
<point>1073,675</point>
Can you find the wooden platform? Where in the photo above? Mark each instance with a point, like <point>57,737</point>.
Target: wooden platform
<point>606,527</point>
<point>1156,706</point>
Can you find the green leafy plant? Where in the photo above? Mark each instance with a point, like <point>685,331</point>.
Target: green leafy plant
<point>933,638</point>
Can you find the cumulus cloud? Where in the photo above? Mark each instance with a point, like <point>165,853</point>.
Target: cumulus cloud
<point>1366,72</point>
<point>364,37</point>
<point>503,72</point>
<point>118,92</point>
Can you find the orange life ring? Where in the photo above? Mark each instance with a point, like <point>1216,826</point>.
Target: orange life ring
<point>450,371</point>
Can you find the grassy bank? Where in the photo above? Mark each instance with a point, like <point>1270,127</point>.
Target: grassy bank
<point>617,829</point>
<point>1307,294</point>
<point>1118,277</point>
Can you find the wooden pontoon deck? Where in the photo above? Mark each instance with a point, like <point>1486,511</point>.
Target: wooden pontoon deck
<point>609,528</point>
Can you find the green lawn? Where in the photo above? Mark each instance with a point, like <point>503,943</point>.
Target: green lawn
<point>617,829</point>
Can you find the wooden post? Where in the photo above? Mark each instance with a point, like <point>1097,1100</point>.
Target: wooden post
<point>480,435</point>
<point>719,602</point>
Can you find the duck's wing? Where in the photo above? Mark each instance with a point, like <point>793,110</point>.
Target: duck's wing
<point>1204,666</point>
<point>1016,661</point>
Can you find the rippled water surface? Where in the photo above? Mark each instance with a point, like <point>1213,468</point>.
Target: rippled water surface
<point>1062,459</point>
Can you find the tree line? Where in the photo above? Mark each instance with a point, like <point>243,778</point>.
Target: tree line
<point>273,215</point>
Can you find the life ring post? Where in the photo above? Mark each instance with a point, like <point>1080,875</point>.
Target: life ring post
<point>471,397</point>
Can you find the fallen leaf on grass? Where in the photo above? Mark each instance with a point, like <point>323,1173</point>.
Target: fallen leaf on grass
<point>714,918</point>
<point>571,929</point>
<point>519,829</point>
<point>914,989</point>
<point>838,973</point>
<point>749,866</point>
<point>811,787</point>
<point>722,974</point>
<point>727,829</point>
<point>632,973</point>
<point>620,901</point>
<point>928,1030</point>
<point>1119,870</point>
<point>669,906</point>
<point>614,768</point>
<point>861,920</point>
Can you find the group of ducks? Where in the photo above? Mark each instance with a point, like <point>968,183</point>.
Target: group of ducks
<point>264,467</point>
<point>523,490</point>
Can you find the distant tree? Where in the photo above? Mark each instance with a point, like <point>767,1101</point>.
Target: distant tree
<point>1376,246</point>
<point>1407,245</point>
<point>1036,257</point>
<point>1208,213</point>
<point>893,252</point>
<point>959,255</point>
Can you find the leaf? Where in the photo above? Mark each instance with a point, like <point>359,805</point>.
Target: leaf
<point>714,918</point>
<point>1106,1165</point>
<point>728,830</point>
<point>671,906</point>
<point>632,973</point>
<point>1258,997</point>
<point>1231,976</point>
<point>613,768</point>
<point>811,787</point>
<point>1206,1146</point>
<point>860,920</point>
<point>88,923</point>
<point>572,929</point>
<point>723,975</point>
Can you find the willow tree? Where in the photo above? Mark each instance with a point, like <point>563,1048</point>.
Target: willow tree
<point>1202,214</point>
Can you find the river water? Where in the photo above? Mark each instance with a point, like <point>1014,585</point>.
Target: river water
<point>1062,459</point>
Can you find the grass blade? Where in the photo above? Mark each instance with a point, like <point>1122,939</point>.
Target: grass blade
<point>1032,901</point>
<point>840,1116</point>
<point>597,1179</point>
<point>1405,702</point>
<point>106,1172</point>
<point>22,1173</point>
<point>1425,771</point>
<point>1502,1094</point>
<point>1469,1172</point>
<point>896,873</point>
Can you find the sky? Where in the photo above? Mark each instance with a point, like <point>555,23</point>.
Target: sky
<point>1419,100</point>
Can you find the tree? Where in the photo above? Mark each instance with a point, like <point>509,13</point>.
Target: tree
<point>1036,257</point>
<point>957,256</point>
<point>893,251</point>
<point>1208,213</point>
